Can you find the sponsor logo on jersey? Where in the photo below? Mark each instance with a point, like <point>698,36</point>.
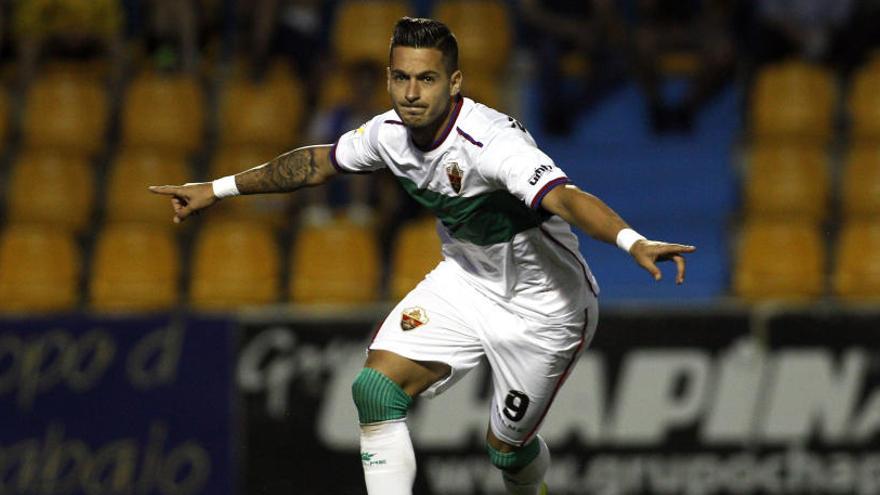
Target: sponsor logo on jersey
<point>412,318</point>
<point>538,173</point>
<point>453,171</point>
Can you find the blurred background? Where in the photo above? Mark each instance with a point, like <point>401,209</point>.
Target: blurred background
<point>142,357</point>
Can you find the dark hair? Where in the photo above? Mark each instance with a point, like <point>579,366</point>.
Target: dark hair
<point>427,33</point>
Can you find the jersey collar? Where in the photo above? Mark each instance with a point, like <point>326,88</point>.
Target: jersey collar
<point>459,102</point>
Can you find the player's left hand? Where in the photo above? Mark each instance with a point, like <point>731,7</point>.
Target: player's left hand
<point>648,253</point>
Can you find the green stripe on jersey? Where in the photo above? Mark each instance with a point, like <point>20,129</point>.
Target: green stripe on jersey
<point>484,219</point>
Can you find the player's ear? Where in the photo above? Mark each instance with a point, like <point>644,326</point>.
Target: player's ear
<point>388,79</point>
<point>455,83</point>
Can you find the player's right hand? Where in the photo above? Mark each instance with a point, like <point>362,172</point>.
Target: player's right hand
<point>187,199</point>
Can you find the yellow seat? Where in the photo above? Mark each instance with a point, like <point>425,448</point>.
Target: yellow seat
<point>484,89</point>
<point>856,273</point>
<point>268,209</point>
<point>134,268</point>
<point>484,33</point>
<point>416,252</point>
<point>163,111</point>
<point>235,264</point>
<point>779,260</point>
<point>363,28</point>
<point>680,63</point>
<point>793,100</point>
<point>864,104</point>
<point>66,110</point>
<point>337,90</point>
<point>334,92</point>
<point>39,269</point>
<point>261,114</point>
<point>334,264</point>
<point>51,187</point>
<point>130,173</point>
<point>787,180</point>
<point>861,182</point>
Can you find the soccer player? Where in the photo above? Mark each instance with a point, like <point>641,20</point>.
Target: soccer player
<point>512,286</point>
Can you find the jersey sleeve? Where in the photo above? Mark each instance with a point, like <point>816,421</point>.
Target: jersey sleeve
<point>358,150</point>
<point>527,172</point>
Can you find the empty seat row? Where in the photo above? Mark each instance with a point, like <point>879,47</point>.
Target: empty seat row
<point>70,112</point>
<point>51,187</point>
<point>137,268</point>
<point>793,180</point>
<point>779,259</point>
<point>798,100</point>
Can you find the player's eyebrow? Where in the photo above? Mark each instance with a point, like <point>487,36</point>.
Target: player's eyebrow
<point>399,72</point>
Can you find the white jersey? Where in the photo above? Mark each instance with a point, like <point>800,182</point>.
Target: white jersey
<point>484,179</point>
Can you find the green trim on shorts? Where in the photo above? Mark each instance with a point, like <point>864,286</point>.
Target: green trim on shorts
<point>517,459</point>
<point>378,398</point>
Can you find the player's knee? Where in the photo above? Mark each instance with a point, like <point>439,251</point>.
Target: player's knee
<point>378,398</point>
<point>516,459</point>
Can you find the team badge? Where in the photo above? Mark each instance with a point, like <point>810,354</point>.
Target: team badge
<point>412,318</point>
<point>453,171</point>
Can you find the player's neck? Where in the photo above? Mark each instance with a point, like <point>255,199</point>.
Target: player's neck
<point>425,137</point>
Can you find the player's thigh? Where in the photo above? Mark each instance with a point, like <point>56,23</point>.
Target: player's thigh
<point>427,340</point>
<point>414,377</point>
<point>529,365</point>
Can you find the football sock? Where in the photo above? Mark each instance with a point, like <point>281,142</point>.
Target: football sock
<point>527,479</point>
<point>388,458</point>
<point>386,449</point>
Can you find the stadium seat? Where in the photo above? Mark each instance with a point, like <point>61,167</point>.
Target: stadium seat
<point>856,273</point>
<point>334,264</point>
<point>39,269</point>
<point>51,187</point>
<point>680,63</point>
<point>163,111</point>
<point>66,110</point>
<point>268,209</point>
<point>484,32</point>
<point>269,113</point>
<point>861,182</point>
<point>793,100</point>
<point>787,180</point>
<point>362,29</point>
<point>779,260</point>
<point>416,252</point>
<point>336,90</point>
<point>484,89</point>
<point>130,173</point>
<point>234,264</point>
<point>135,268</point>
<point>864,104</point>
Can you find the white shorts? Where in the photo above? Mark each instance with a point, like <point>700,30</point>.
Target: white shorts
<point>444,319</point>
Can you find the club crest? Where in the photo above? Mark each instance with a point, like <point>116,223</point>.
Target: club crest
<point>453,171</point>
<point>412,318</point>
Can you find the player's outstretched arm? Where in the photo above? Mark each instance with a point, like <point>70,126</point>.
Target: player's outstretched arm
<point>593,216</point>
<point>302,167</point>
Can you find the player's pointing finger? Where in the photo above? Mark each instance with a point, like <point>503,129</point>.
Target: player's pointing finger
<point>679,248</point>
<point>167,190</point>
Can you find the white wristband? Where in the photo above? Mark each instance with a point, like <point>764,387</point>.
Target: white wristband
<point>627,237</point>
<point>225,187</point>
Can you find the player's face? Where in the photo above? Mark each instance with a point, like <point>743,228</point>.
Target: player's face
<point>419,85</point>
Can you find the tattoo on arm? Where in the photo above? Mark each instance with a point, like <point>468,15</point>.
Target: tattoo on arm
<point>285,173</point>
